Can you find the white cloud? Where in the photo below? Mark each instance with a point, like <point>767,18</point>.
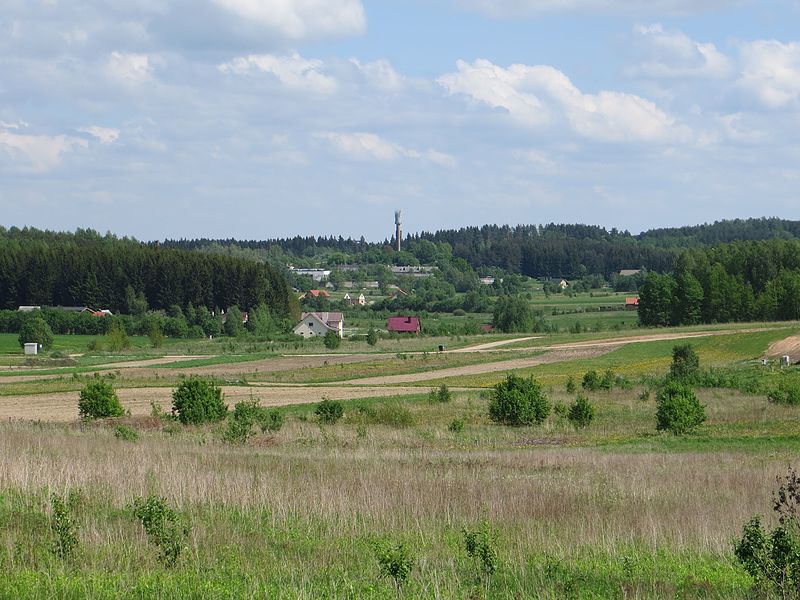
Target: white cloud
<point>770,72</point>
<point>129,68</point>
<point>293,71</point>
<point>673,54</point>
<point>539,96</point>
<point>297,19</point>
<point>106,135</point>
<point>508,8</point>
<point>380,74</point>
<point>369,146</point>
<point>43,152</point>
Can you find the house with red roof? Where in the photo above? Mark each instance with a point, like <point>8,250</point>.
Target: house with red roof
<point>404,325</point>
<point>631,303</point>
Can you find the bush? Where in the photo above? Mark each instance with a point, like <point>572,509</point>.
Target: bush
<point>581,412</point>
<point>63,526</point>
<point>394,415</point>
<point>165,529</point>
<point>787,392</point>
<point>36,330</point>
<point>126,434</point>
<point>116,338</point>
<point>607,380</point>
<point>773,561</point>
<point>441,394</point>
<point>570,385</point>
<point>196,401</point>
<point>456,426</point>
<point>241,421</point>
<point>678,409</point>
<point>332,340</point>
<point>270,420</point>
<point>372,336</point>
<point>156,336</point>
<point>98,400</point>
<point>685,362</point>
<point>480,545</point>
<point>394,561</point>
<point>518,402</point>
<point>329,411</point>
<point>591,381</point>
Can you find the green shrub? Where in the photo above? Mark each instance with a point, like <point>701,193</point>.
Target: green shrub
<point>441,394</point>
<point>773,561</point>
<point>678,409</point>
<point>480,544</point>
<point>456,426</point>
<point>685,362</point>
<point>126,434</point>
<point>196,401</point>
<point>116,338</point>
<point>156,336</point>
<point>518,402</point>
<point>591,381</point>
<point>372,336</point>
<point>332,340</point>
<point>164,527</point>
<point>394,415</point>
<point>787,392</point>
<point>607,380</point>
<point>36,330</point>
<point>98,400</point>
<point>270,420</point>
<point>394,561</point>
<point>570,385</point>
<point>63,526</point>
<point>581,412</point>
<point>241,422</point>
<point>329,411</point>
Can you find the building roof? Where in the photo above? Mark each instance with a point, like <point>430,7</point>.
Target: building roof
<point>329,319</point>
<point>631,302</point>
<point>403,324</point>
<point>319,293</point>
<point>629,272</point>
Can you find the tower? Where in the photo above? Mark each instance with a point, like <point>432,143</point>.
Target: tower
<point>398,232</point>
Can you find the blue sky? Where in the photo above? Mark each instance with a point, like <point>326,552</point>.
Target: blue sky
<point>270,118</point>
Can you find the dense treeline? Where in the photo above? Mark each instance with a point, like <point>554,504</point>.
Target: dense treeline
<point>556,250</point>
<point>741,281</point>
<point>87,269</point>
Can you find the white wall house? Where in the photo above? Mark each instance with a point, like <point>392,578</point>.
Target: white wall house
<point>317,324</point>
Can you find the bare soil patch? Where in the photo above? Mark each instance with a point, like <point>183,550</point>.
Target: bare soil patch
<point>789,346</point>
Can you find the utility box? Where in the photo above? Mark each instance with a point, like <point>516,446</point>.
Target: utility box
<point>31,349</point>
<point>785,361</point>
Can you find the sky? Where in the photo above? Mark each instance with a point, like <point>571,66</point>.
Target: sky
<point>256,119</point>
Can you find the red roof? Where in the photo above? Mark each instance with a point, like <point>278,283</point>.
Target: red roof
<point>319,293</point>
<point>631,302</point>
<point>403,324</point>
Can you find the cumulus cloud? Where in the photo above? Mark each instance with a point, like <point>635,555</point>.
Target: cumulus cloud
<point>380,74</point>
<point>506,8</point>
<point>673,54</point>
<point>369,146</point>
<point>105,135</point>
<point>297,19</point>
<point>41,151</point>
<point>770,72</point>
<point>293,71</point>
<point>129,68</point>
<point>538,96</point>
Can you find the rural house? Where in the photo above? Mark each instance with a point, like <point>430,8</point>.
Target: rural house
<point>629,272</point>
<point>315,294</point>
<point>404,325</point>
<point>317,324</point>
<point>631,303</point>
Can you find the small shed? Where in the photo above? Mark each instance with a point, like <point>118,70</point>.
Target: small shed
<point>31,349</point>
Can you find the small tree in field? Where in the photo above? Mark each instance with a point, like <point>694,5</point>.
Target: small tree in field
<point>36,330</point>
<point>332,340</point>
<point>329,411</point>
<point>98,400</point>
<point>116,338</point>
<point>155,335</point>
<point>678,409</point>
<point>518,402</point>
<point>581,412</point>
<point>372,336</point>
<point>685,362</point>
<point>196,401</point>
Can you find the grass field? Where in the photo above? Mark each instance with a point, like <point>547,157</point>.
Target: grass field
<point>616,510</point>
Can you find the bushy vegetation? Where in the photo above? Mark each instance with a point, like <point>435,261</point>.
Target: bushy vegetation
<point>440,394</point>
<point>685,362</point>
<point>98,400</point>
<point>63,526</point>
<point>329,411</point>
<point>518,402</point>
<point>34,329</point>
<point>395,561</point>
<point>332,340</point>
<point>196,401</point>
<point>167,530</point>
<point>481,545</point>
<point>126,434</point>
<point>581,412</point>
<point>786,392</point>
<point>678,409</point>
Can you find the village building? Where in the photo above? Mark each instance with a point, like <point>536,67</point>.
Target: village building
<point>631,303</point>
<point>404,325</point>
<point>317,324</point>
<point>317,275</point>
<point>629,272</point>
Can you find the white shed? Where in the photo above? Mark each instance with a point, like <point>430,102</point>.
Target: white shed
<point>32,349</point>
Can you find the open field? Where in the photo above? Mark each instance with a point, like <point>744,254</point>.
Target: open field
<point>616,510</point>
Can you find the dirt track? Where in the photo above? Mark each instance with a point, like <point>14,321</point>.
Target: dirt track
<point>63,407</point>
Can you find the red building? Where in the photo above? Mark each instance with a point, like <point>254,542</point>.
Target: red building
<point>404,325</point>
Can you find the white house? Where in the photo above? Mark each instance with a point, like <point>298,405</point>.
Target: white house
<point>347,297</point>
<point>361,300</point>
<point>315,324</point>
<point>317,275</point>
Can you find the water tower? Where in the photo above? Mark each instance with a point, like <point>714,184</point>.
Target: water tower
<point>398,232</point>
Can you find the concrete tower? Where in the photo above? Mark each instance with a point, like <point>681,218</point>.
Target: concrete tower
<point>398,233</point>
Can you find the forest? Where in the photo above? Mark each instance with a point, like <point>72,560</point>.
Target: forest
<point>89,269</point>
<point>553,250</point>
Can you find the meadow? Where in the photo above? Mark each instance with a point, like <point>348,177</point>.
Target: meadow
<point>615,510</point>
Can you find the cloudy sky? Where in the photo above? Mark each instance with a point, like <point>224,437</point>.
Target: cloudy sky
<point>270,118</point>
